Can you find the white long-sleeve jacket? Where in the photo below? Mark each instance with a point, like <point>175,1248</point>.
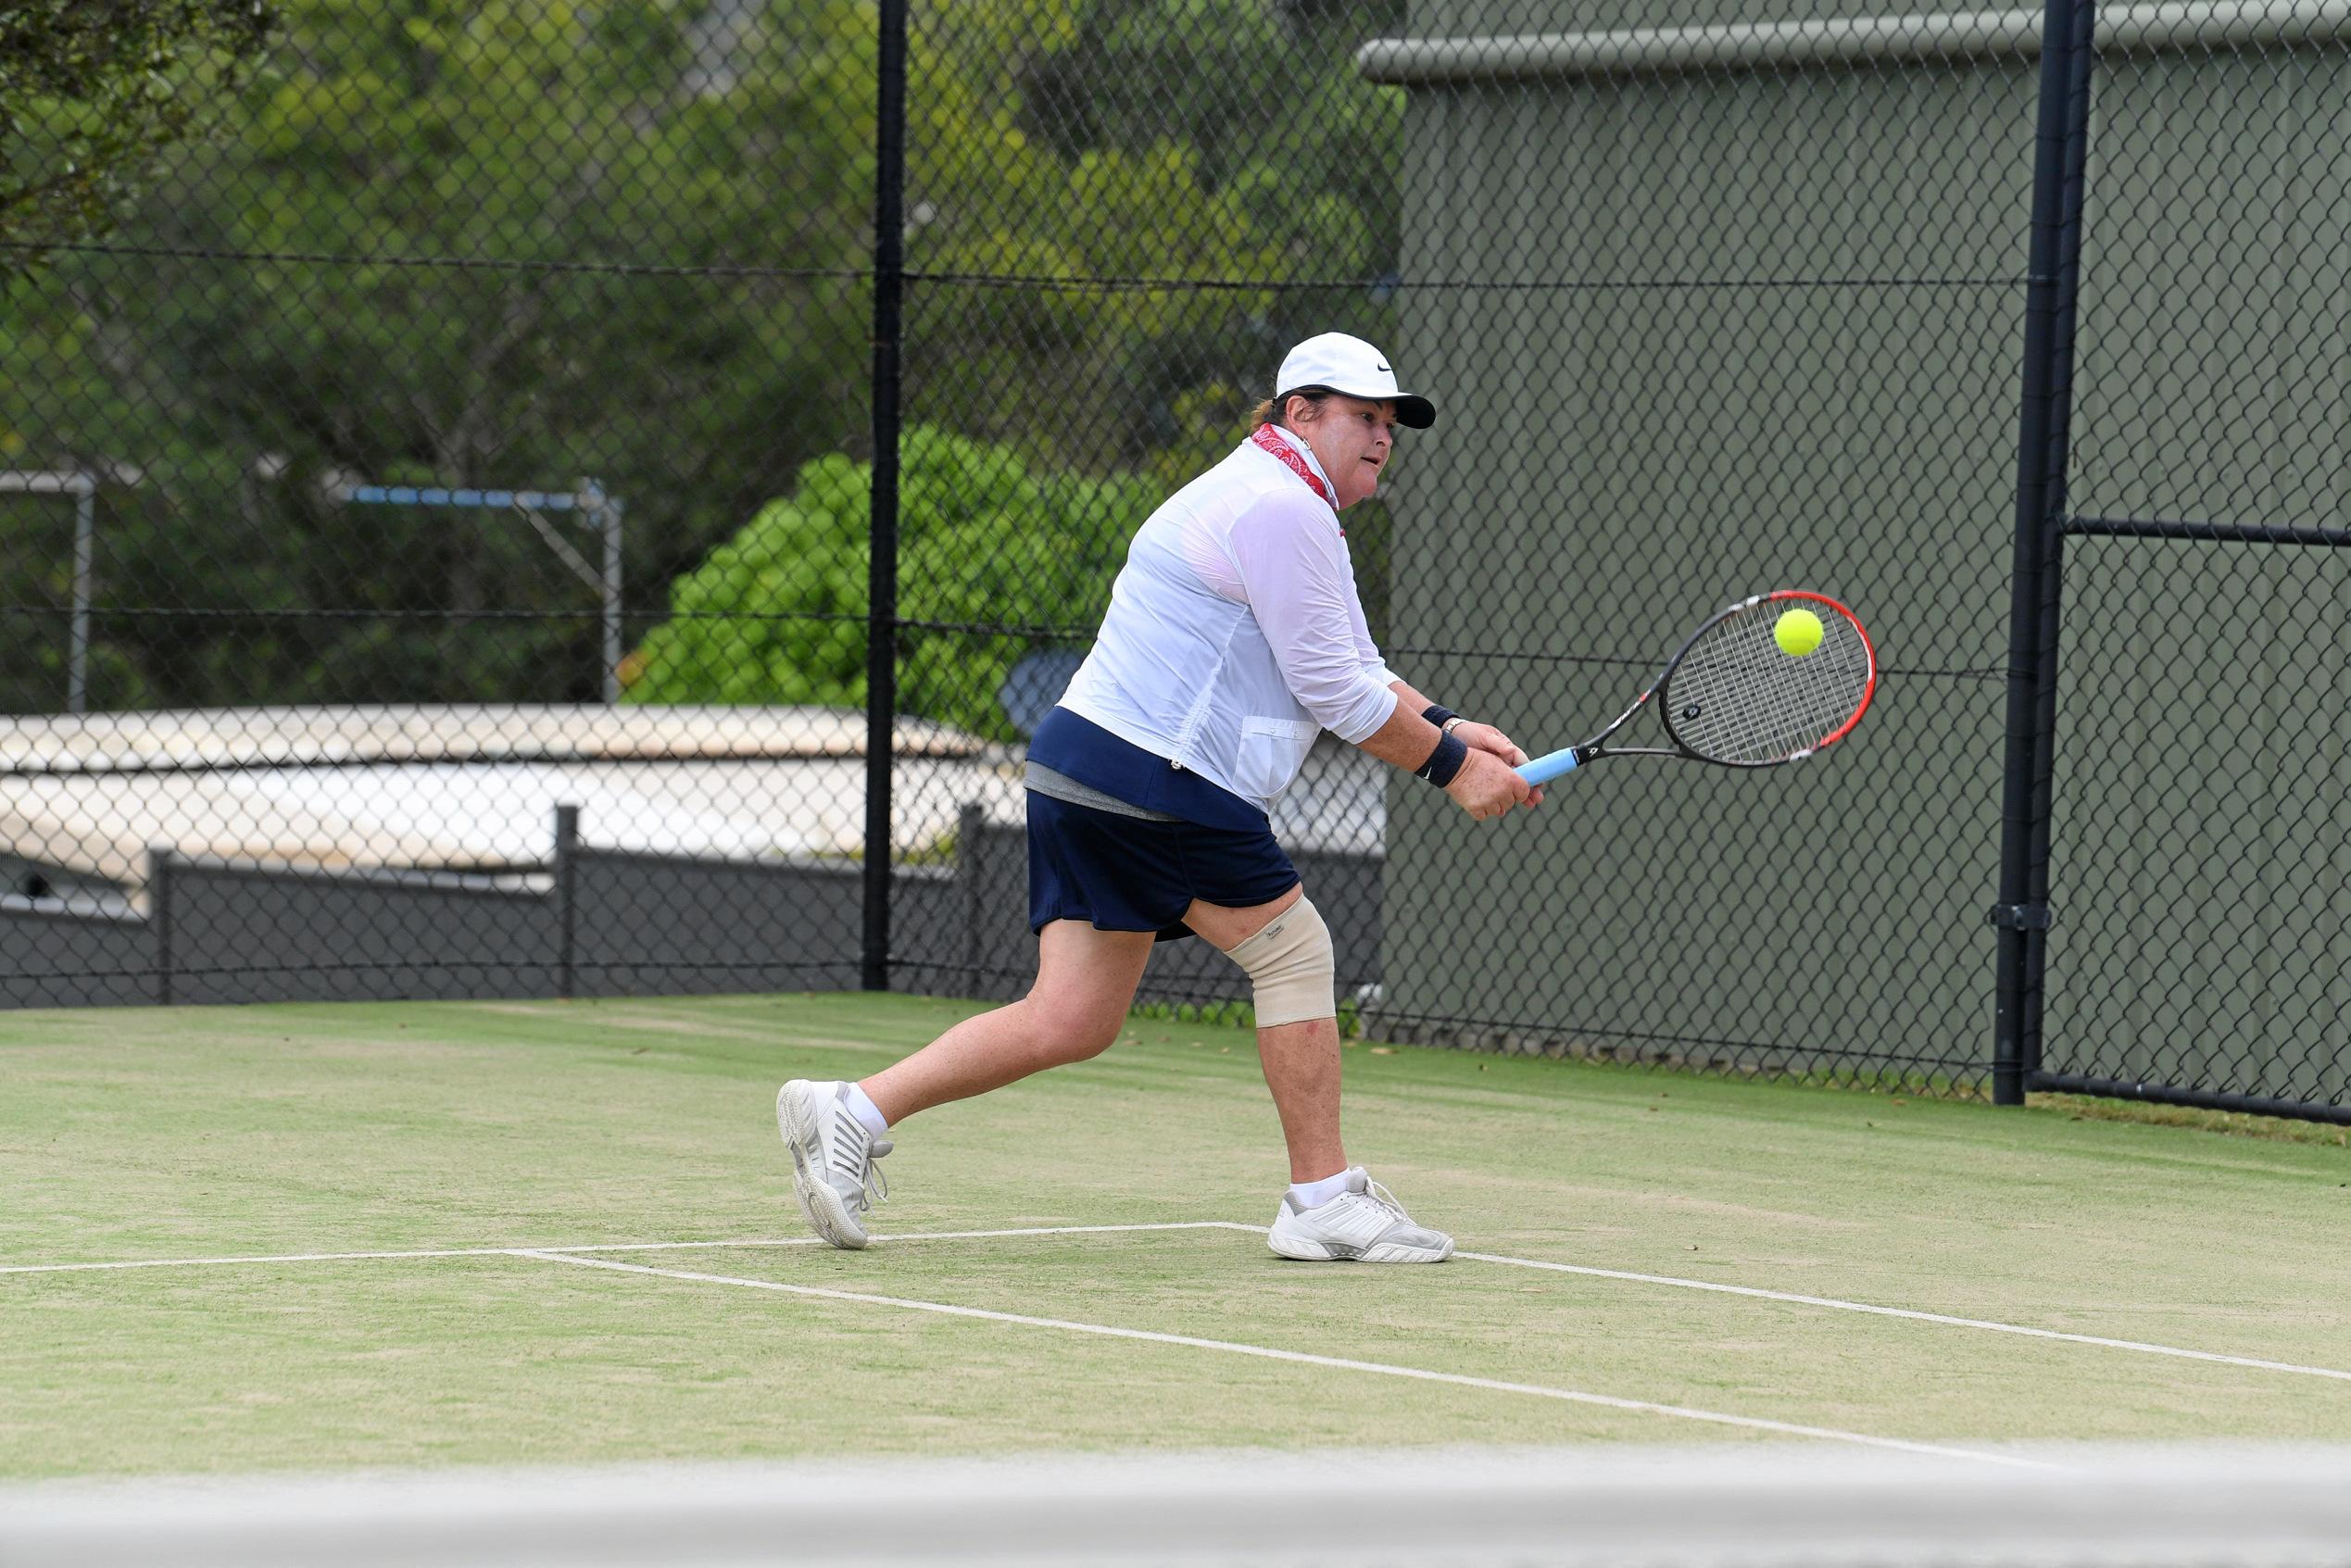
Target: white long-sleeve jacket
<point>1235,631</point>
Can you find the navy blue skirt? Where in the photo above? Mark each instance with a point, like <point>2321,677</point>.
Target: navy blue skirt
<point>1125,874</point>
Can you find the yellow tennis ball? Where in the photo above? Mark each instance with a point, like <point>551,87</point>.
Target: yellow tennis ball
<point>1797,632</point>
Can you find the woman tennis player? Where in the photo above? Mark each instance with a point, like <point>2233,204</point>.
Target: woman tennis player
<point>1235,635</point>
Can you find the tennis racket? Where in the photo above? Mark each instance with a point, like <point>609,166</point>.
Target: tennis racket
<point>1731,695</point>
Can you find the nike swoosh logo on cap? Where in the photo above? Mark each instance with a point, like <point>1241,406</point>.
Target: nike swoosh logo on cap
<point>1387,371</point>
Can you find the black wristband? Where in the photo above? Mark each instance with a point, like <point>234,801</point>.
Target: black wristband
<point>1445,762</point>
<point>1436,713</point>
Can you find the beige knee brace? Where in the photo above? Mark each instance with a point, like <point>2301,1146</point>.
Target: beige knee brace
<point>1291,965</point>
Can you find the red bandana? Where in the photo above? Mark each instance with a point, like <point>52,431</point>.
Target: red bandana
<point>1297,465</point>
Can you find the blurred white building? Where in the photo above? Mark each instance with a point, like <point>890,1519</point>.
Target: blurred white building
<point>461,787</point>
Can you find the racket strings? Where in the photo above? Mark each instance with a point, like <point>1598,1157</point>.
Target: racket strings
<point>1734,697</point>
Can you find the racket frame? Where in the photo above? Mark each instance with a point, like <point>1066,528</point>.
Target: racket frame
<point>1556,765</point>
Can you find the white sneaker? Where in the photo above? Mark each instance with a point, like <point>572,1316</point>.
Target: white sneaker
<point>833,1158</point>
<point>1364,1224</point>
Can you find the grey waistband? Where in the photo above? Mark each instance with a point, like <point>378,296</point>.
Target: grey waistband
<point>1061,786</point>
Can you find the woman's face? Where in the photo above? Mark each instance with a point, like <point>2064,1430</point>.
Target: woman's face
<point>1352,438</point>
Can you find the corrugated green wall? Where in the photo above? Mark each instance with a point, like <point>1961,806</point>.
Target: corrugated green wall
<point>1743,331</point>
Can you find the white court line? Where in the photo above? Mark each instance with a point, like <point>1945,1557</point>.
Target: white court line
<point>602,1246</point>
<point>1263,1352</point>
<point>2141,1345</point>
<point>1829,1302</point>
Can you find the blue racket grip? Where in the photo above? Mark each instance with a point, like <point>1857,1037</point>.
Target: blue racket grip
<point>1542,769</point>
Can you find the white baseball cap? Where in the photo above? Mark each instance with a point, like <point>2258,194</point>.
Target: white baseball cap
<point>1351,366</point>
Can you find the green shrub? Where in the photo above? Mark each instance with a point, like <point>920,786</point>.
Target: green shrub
<point>995,560</point>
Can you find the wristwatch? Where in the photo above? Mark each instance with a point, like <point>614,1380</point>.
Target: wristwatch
<point>1450,725</point>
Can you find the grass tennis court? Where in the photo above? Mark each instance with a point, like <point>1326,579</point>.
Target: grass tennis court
<point>469,1128</point>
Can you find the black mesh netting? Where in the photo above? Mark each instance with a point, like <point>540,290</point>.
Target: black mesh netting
<point>469,413</point>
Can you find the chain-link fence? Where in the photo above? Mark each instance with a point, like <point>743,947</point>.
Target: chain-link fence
<point>529,495</point>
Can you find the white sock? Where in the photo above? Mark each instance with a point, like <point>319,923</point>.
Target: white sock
<point>862,1104</point>
<point>1313,1195</point>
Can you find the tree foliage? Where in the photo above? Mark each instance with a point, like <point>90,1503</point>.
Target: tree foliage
<point>1185,142</point>
<point>451,243</point>
<point>90,91</point>
<point>523,242</point>
<point>1161,152</point>
<point>995,560</point>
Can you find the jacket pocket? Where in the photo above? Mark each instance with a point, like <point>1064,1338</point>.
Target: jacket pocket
<point>1272,750</point>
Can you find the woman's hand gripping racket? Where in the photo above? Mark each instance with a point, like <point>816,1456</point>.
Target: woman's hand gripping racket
<point>1772,679</point>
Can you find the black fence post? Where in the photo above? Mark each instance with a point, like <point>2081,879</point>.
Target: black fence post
<point>2075,203</point>
<point>567,909</point>
<point>880,611</point>
<point>971,821</point>
<point>2044,449</point>
<point>160,919</point>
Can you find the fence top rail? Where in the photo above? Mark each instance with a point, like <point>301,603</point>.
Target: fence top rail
<point>196,738</point>
<point>2208,532</point>
<point>1938,37</point>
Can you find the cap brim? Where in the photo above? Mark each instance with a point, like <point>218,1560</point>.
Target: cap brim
<point>1418,413</point>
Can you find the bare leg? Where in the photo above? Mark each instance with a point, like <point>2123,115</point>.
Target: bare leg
<point>1301,1060</point>
<point>1086,981</point>
<point>1301,1068</point>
